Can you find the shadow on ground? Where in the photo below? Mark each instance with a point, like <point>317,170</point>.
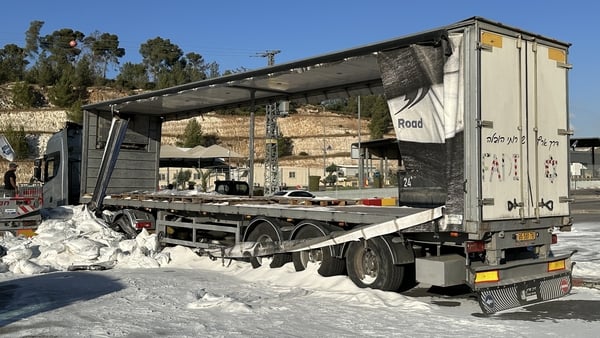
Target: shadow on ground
<point>587,310</point>
<point>25,297</point>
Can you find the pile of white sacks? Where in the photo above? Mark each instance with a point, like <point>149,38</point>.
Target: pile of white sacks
<point>71,237</point>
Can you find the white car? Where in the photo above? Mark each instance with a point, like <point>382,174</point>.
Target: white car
<point>294,193</point>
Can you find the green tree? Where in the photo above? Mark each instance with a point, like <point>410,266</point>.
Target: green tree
<point>187,69</point>
<point>75,112</point>
<point>182,177</point>
<point>331,177</point>
<point>132,76</point>
<point>63,94</point>
<point>159,54</point>
<point>195,67</point>
<point>204,175</point>
<point>32,38</point>
<point>234,71</point>
<point>57,46</point>
<point>83,73</point>
<point>192,135</point>
<point>381,120</point>
<point>105,50</point>
<point>42,72</point>
<point>334,104</point>
<point>373,107</point>
<point>212,70</point>
<point>171,77</point>
<point>18,141</point>
<point>210,139</point>
<point>285,146</point>
<point>24,96</point>
<point>12,63</point>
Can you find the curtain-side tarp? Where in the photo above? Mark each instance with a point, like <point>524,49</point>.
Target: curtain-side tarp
<point>423,86</point>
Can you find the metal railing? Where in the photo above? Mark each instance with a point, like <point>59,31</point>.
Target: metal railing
<point>30,190</point>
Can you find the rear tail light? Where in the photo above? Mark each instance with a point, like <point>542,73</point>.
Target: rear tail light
<point>475,246</point>
<point>143,225</point>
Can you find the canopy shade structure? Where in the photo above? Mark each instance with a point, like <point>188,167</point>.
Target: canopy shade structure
<point>171,151</point>
<point>382,148</point>
<point>213,151</point>
<point>585,142</point>
<point>214,156</point>
<point>341,74</point>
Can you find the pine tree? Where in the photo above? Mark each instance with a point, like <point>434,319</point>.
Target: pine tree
<point>23,95</point>
<point>192,136</point>
<point>62,94</point>
<point>18,141</point>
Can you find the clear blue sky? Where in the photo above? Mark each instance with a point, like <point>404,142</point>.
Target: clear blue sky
<point>231,33</point>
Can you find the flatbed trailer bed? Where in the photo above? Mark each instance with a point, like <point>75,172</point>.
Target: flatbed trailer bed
<point>341,211</point>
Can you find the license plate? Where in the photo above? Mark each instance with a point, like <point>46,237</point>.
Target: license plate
<point>525,236</point>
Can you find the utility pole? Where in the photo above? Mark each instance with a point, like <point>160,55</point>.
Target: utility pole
<point>272,181</point>
<point>273,110</point>
<point>270,55</point>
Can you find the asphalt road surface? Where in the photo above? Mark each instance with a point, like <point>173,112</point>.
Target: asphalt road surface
<point>586,207</point>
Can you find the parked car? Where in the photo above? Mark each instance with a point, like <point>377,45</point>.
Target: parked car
<point>294,193</point>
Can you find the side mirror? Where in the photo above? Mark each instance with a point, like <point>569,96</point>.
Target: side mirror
<point>37,169</point>
<point>37,173</point>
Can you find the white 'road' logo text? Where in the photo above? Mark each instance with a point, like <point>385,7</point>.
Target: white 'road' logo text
<point>402,123</point>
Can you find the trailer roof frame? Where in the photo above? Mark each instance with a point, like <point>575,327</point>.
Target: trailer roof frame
<point>341,74</point>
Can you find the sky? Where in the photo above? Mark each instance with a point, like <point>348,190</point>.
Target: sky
<point>235,33</point>
<point>147,291</point>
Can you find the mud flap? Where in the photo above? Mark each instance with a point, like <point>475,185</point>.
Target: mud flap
<point>506,297</point>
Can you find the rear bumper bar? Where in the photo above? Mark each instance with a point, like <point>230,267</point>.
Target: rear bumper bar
<point>524,284</point>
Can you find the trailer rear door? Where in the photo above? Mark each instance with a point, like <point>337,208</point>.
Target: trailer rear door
<point>524,143</point>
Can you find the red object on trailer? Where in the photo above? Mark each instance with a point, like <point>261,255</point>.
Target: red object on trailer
<point>372,201</point>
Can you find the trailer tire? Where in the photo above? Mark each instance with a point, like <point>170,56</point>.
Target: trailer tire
<point>329,264</point>
<point>409,279</point>
<point>370,265</point>
<point>265,233</point>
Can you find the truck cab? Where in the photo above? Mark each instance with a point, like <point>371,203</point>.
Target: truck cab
<point>60,167</point>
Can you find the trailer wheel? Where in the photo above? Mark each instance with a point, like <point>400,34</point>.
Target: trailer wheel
<point>370,265</point>
<point>263,234</point>
<point>329,265</point>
